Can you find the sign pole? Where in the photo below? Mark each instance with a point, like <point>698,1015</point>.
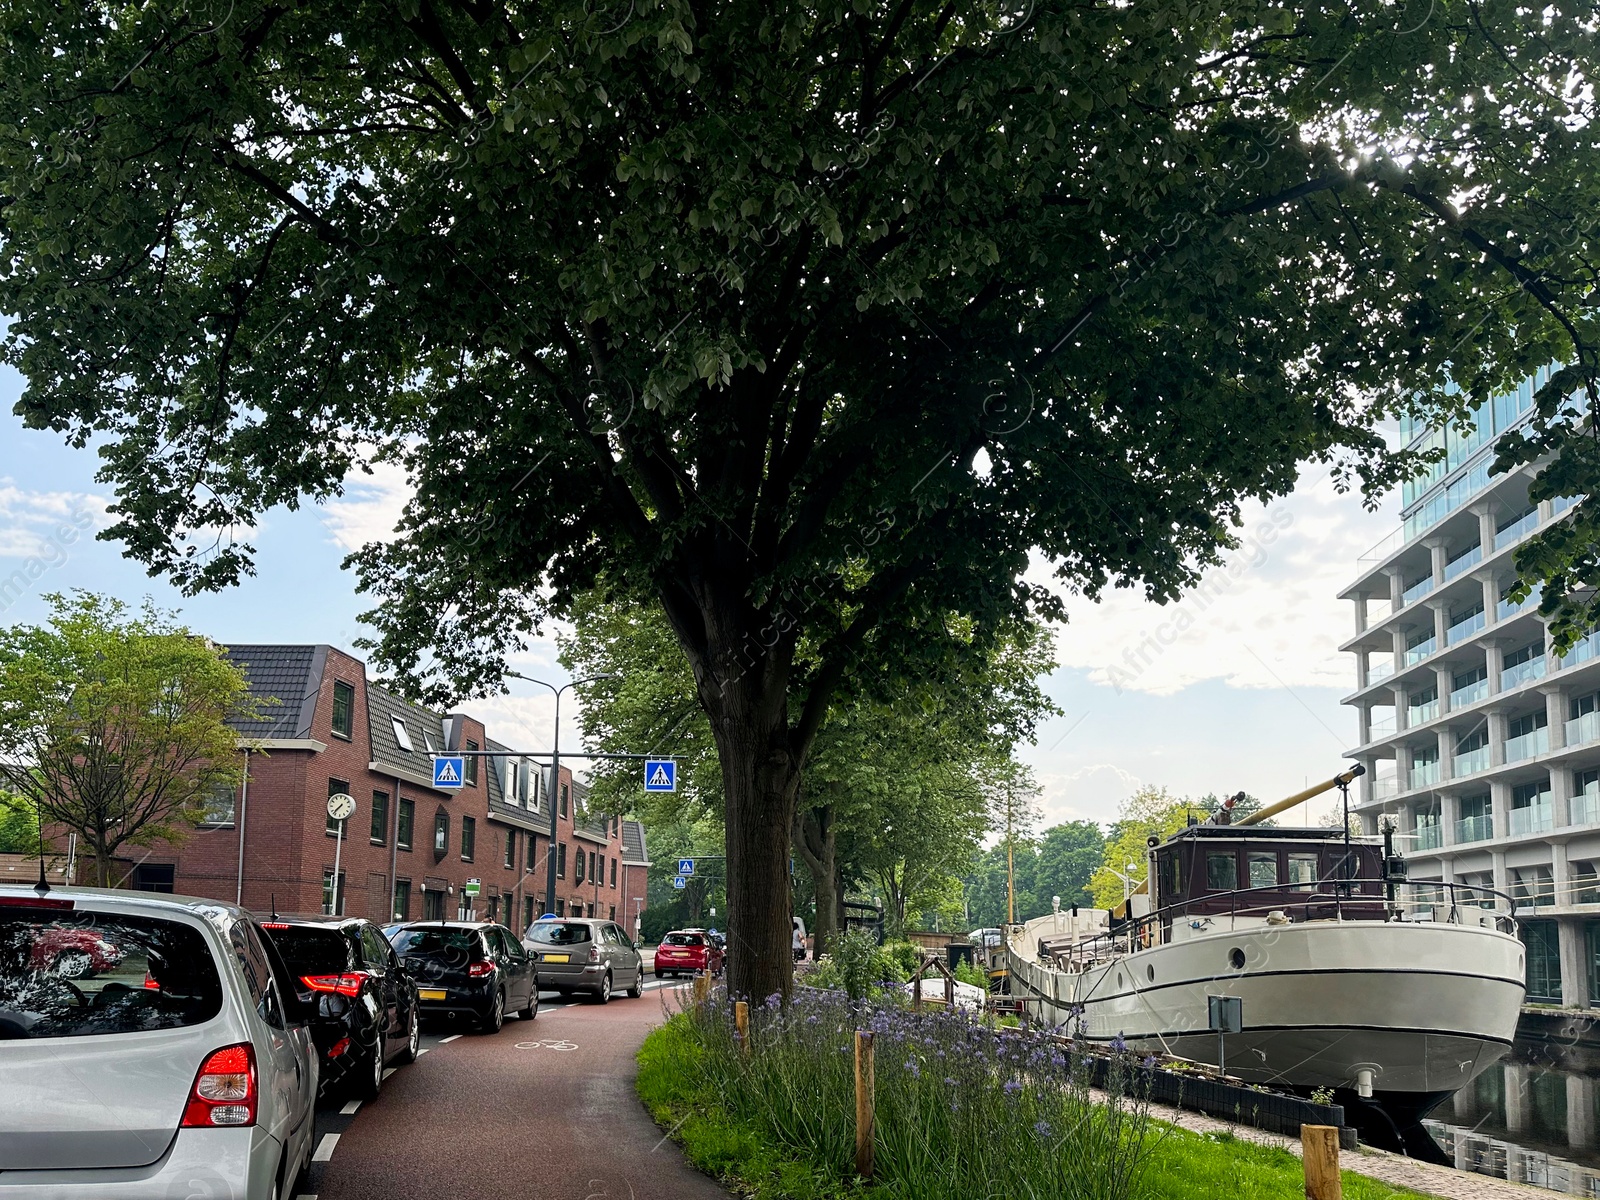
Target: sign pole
<point>338,845</point>
<point>555,810</point>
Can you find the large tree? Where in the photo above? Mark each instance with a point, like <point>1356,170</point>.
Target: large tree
<point>812,320</point>
<point>114,724</point>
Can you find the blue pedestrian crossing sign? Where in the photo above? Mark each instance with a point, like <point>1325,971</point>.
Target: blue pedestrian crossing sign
<point>449,770</point>
<point>686,866</point>
<point>677,881</point>
<point>660,775</point>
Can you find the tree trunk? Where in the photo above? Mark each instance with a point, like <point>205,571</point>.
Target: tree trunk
<point>818,843</point>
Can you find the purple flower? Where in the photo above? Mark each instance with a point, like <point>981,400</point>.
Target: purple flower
<point>1149,1060</point>
<point>911,1065</point>
<point>949,1082</point>
<point>1042,1129</point>
<point>1118,1044</point>
<point>774,1000</point>
<point>1012,1087</point>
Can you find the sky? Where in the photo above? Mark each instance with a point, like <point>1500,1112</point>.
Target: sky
<point>1235,688</point>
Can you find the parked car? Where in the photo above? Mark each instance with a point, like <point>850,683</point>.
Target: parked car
<point>688,952</point>
<point>472,969</point>
<point>74,953</point>
<point>584,954</point>
<point>366,1005</point>
<point>185,1069</point>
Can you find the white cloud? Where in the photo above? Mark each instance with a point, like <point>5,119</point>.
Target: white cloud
<point>35,524</point>
<point>1090,793</point>
<point>1268,617</point>
<point>370,507</point>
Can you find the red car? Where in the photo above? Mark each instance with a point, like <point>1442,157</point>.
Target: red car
<point>688,952</point>
<point>73,953</point>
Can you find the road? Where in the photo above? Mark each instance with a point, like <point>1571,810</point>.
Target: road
<point>544,1109</point>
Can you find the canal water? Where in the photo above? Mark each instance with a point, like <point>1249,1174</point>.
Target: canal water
<point>1532,1117</point>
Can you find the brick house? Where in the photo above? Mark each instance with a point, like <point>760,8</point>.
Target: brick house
<point>410,849</point>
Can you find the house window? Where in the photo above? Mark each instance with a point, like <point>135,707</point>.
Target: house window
<point>441,833</point>
<point>379,831</point>
<point>563,800</point>
<point>402,735</point>
<point>561,862</point>
<point>511,849</point>
<point>406,817</point>
<point>593,874</point>
<point>472,765</point>
<point>561,908</point>
<point>219,806</point>
<point>613,872</point>
<point>577,868</point>
<point>328,899</point>
<point>402,899</point>
<point>344,710</point>
<point>613,915</point>
<point>527,912</point>
<point>469,837</point>
<point>335,787</point>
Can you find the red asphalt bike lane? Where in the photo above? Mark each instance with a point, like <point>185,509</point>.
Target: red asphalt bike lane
<point>520,1114</point>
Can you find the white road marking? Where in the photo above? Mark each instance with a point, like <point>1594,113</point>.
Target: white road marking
<point>423,1051</point>
<point>451,1038</point>
<point>312,1196</point>
<point>350,1109</point>
<point>324,1150</point>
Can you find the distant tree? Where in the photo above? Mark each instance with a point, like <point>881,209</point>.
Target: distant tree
<point>1067,858</point>
<point>115,724</point>
<point>1209,804</point>
<point>19,825</point>
<point>1149,812</point>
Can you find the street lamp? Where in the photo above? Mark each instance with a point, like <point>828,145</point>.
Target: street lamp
<point>555,778</point>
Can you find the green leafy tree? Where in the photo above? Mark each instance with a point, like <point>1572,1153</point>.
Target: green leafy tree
<point>1149,812</point>
<point>115,724</point>
<point>815,322</point>
<point>1068,855</point>
<point>19,825</point>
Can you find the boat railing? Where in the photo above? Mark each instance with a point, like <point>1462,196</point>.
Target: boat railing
<point>1459,903</point>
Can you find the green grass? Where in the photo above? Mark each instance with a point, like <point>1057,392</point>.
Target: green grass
<point>678,1090</point>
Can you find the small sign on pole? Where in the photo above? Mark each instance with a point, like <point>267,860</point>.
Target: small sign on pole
<point>678,882</point>
<point>660,775</point>
<point>472,887</point>
<point>686,866</point>
<point>1227,1016</point>
<point>449,770</point>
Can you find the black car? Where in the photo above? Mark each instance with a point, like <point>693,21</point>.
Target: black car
<point>367,1014</point>
<point>469,968</point>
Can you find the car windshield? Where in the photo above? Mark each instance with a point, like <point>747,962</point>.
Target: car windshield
<point>558,933</point>
<point>437,943</point>
<point>310,951</point>
<point>76,973</point>
<point>683,939</point>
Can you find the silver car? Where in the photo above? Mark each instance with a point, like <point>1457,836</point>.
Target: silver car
<point>181,1067</point>
<point>583,954</point>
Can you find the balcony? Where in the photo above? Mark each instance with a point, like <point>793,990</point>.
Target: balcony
<point>1517,530</point>
<point>1583,729</point>
<point>1420,651</point>
<point>1583,651</point>
<point>1424,774</point>
<point>1463,562</point>
<point>1528,745</point>
<point>1417,590</point>
<point>1381,728</point>
<point>1419,714</point>
<point>1381,669</point>
<point>1385,786</point>
<point>1429,837</point>
<point>1470,762</point>
<point>1471,694</point>
<point>1535,818</point>
<point>1584,809</point>
<point>1532,668</point>
<point>1507,608</point>
<point>1464,628</point>
<point>1475,829</point>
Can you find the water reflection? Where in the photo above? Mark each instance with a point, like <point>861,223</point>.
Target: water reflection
<point>1531,1118</point>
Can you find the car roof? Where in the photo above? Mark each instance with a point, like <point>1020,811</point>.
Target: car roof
<point>446,925</point>
<point>204,906</point>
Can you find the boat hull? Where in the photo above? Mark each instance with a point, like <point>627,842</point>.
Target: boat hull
<point>1423,1007</point>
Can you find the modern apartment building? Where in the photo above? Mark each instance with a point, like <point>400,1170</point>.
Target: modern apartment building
<point>411,850</point>
<point>1482,745</point>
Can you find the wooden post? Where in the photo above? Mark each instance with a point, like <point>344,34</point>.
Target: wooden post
<point>916,990</point>
<point>741,1022</point>
<point>702,988</point>
<point>1319,1146</point>
<point>864,1104</point>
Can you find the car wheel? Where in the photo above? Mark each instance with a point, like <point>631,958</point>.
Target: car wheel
<point>73,964</point>
<point>370,1078</point>
<point>530,1010</point>
<point>413,1039</point>
<point>496,1016</point>
<point>603,996</point>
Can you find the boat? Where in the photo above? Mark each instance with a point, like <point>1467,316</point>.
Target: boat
<point>1336,972</point>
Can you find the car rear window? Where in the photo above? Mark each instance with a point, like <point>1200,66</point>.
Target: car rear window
<point>558,933</point>
<point>438,943</point>
<point>683,939</point>
<point>310,951</point>
<point>77,973</point>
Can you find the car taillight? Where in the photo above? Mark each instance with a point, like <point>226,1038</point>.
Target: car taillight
<point>594,954</point>
<point>339,1047</point>
<point>150,984</point>
<point>224,1092</point>
<point>478,970</point>
<point>275,925</point>
<point>347,984</point>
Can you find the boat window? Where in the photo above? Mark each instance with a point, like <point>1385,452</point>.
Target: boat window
<point>1222,870</point>
<point>1263,869</point>
<point>1303,871</point>
<point>1171,868</point>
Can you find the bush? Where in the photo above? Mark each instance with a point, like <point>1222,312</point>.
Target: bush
<point>902,958</point>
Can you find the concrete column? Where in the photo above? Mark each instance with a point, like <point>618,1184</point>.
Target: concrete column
<point>1397,590</point>
<point>1516,1097</point>
<point>1500,876</point>
<point>1436,548</point>
<point>1402,717</point>
<point>1491,595</point>
<point>1497,737</point>
<point>1449,814</point>
<point>1494,660</point>
<point>1500,799</point>
<point>1443,679</point>
<point>1580,1110</point>
<point>1447,750</point>
<point>1560,875</point>
<point>1361,613</point>
<point>1461,1103</point>
<point>1555,711</point>
<point>1402,765</point>
<point>1574,968</point>
<point>1484,510</point>
<point>1546,511</point>
<point>1441,620</point>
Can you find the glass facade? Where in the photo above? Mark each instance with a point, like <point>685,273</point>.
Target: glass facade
<point>1544,961</point>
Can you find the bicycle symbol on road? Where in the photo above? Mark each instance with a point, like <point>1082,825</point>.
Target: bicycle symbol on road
<point>548,1044</point>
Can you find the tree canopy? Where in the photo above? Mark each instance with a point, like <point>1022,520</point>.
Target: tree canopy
<point>813,321</point>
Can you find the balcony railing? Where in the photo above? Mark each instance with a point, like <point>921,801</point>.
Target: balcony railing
<point>1529,744</point>
<point>1475,829</point>
<point>1583,729</point>
<point>1470,762</point>
<point>1463,562</point>
<point>1424,774</point>
<point>1464,628</point>
<point>1507,608</point>
<point>1470,694</point>
<point>1532,668</point>
<point>1535,818</point>
<point>1429,837</point>
<point>1417,590</point>
<point>1418,714</point>
<point>1380,669</point>
<point>1415,654</point>
<point>1584,809</point>
<point>1380,728</point>
<point>1583,651</point>
<point>1385,786</point>
<point>1518,529</point>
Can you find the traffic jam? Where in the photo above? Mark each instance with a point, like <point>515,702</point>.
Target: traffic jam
<point>212,1036</point>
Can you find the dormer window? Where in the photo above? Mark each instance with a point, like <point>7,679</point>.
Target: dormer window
<point>401,734</point>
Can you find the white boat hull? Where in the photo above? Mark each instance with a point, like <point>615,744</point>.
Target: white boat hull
<point>1425,1007</point>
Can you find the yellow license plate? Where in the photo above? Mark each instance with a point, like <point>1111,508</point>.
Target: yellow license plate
<point>430,993</point>
<point>558,958</point>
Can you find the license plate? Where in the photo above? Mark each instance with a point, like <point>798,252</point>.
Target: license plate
<point>430,993</point>
<point>558,958</point>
